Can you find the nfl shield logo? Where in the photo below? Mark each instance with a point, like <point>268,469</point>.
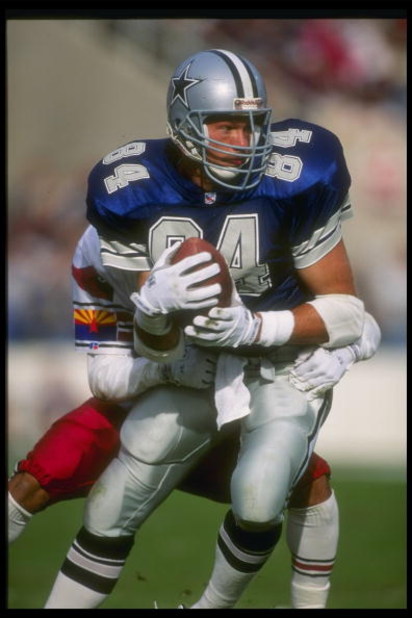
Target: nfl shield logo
<point>210,198</point>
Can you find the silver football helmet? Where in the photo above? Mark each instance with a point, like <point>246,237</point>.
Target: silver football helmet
<point>211,83</point>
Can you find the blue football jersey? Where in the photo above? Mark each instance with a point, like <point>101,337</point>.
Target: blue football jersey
<point>140,204</point>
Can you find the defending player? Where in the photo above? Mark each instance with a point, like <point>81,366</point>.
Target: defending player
<point>272,200</point>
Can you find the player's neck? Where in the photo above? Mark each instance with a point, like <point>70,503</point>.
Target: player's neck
<point>194,172</point>
<point>190,169</point>
<point>198,178</point>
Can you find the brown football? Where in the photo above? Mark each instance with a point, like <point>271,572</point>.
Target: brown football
<point>191,246</point>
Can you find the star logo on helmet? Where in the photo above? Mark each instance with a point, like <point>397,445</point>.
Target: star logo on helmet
<point>181,85</point>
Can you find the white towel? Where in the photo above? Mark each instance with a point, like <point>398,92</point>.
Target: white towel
<point>232,397</point>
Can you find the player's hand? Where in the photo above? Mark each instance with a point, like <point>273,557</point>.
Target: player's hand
<point>196,369</point>
<point>224,327</point>
<point>169,286</point>
<point>367,344</point>
<point>318,371</point>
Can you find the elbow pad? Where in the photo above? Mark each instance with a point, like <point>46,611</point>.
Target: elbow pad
<point>343,316</point>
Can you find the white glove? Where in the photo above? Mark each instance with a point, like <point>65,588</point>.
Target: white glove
<point>224,327</point>
<point>196,369</point>
<point>168,287</point>
<point>237,326</point>
<point>320,370</point>
<point>367,344</point>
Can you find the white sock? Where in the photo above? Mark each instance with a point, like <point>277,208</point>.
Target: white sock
<point>225,585</point>
<point>312,536</point>
<point>67,593</point>
<point>18,518</point>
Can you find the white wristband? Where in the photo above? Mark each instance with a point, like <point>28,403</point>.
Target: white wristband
<point>277,327</point>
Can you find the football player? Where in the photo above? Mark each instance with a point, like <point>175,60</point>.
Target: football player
<point>271,198</point>
<point>70,456</point>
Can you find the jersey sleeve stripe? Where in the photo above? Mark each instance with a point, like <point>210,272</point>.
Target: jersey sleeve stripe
<point>319,244</point>
<point>318,252</point>
<point>115,246</point>
<point>126,262</point>
<point>131,256</point>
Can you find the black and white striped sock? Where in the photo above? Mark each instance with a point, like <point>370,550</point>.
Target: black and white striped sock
<point>90,571</point>
<point>240,554</point>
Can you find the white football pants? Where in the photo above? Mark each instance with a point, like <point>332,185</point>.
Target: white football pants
<point>170,428</point>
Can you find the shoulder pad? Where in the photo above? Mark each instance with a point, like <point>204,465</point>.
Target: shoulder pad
<point>305,152</point>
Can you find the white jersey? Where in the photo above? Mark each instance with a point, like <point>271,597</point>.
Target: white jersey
<point>103,311</point>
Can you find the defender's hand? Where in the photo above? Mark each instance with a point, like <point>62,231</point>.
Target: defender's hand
<point>368,343</point>
<point>317,372</point>
<point>196,369</point>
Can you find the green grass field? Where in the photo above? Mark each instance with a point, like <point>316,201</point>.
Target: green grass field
<point>173,553</point>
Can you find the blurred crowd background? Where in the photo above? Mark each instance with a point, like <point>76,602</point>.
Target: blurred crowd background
<point>346,74</point>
